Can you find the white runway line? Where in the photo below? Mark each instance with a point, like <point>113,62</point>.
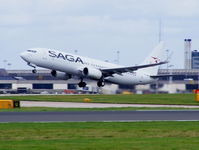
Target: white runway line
<point>95,105</point>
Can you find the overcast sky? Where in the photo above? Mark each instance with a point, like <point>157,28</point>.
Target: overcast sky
<point>97,28</point>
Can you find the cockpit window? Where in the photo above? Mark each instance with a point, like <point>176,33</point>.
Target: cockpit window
<point>32,51</point>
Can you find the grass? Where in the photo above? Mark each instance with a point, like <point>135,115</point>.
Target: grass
<point>99,136</point>
<point>181,99</point>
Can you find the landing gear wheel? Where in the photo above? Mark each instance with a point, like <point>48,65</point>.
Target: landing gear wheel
<point>82,84</point>
<point>100,83</point>
<point>34,71</point>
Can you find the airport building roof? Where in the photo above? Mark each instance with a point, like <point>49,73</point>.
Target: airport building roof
<point>46,74</point>
<point>161,71</point>
<point>179,71</point>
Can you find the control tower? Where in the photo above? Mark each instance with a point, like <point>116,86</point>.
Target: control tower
<point>187,53</point>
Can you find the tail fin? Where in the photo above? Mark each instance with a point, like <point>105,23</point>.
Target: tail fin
<point>154,57</point>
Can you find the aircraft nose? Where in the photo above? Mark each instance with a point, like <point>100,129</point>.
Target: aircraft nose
<point>23,55</point>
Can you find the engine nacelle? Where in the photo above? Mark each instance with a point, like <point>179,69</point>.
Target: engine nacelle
<point>92,73</point>
<point>61,75</point>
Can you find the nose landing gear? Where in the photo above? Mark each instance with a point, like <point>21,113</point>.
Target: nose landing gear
<point>34,71</point>
<point>31,65</point>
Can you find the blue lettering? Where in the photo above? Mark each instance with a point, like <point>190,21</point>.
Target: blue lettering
<point>60,55</point>
<point>52,54</point>
<point>65,57</point>
<point>70,58</point>
<point>79,60</point>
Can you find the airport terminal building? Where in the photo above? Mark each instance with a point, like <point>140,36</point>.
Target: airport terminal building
<point>24,81</point>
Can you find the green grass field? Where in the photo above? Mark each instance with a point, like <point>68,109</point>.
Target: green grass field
<point>187,99</point>
<point>100,136</point>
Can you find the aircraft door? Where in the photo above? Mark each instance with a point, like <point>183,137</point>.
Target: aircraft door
<point>44,55</point>
<point>51,60</point>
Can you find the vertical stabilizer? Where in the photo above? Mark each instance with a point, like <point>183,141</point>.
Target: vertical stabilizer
<point>154,57</point>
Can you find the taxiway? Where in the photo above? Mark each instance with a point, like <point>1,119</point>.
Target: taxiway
<point>87,116</point>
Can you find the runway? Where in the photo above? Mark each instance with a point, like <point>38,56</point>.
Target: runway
<point>87,116</point>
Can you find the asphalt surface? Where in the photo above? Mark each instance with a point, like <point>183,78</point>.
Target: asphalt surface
<point>79,116</point>
<point>95,105</point>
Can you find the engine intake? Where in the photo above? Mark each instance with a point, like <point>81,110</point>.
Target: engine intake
<point>92,73</point>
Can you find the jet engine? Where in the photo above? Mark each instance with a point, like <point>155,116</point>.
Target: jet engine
<point>61,75</point>
<point>92,73</point>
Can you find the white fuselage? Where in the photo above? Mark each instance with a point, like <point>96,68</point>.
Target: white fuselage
<point>73,64</point>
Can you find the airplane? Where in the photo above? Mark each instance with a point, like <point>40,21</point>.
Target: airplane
<point>66,66</point>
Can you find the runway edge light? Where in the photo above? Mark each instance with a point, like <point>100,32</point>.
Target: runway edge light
<point>87,100</point>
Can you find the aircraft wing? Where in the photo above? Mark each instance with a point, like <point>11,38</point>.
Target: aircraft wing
<point>109,72</point>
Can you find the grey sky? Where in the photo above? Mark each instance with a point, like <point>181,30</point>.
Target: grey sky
<point>97,28</point>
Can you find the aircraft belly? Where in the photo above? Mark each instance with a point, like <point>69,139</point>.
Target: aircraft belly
<point>130,79</point>
<point>58,65</point>
<point>118,79</point>
<point>68,67</point>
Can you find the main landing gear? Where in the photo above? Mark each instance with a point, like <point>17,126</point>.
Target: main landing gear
<point>100,83</point>
<point>82,83</point>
